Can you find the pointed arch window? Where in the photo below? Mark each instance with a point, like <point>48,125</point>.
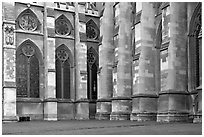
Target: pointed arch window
<point>28,21</point>
<point>63,65</point>
<point>27,71</point>
<point>195,48</point>
<point>63,26</point>
<point>92,31</point>
<point>92,68</point>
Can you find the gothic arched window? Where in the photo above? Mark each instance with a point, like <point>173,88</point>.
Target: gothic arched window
<point>63,26</point>
<point>27,70</point>
<point>28,21</point>
<point>195,48</point>
<point>92,68</point>
<point>92,31</point>
<point>63,72</point>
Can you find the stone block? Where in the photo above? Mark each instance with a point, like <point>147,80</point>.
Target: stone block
<point>65,110</point>
<point>32,110</point>
<point>163,103</point>
<point>9,102</point>
<point>50,111</point>
<point>9,66</point>
<point>82,111</point>
<point>9,11</point>
<point>144,105</point>
<point>51,92</point>
<point>51,53</point>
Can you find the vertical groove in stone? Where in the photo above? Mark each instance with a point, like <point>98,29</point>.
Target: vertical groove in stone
<point>121,105</point>
<point>145,97</point>
<point>106,63</point>
<point>174,106</point>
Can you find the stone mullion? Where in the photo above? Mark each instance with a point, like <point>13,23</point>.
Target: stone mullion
<point>121,104</point>
<point>174,98</point>
<point>145,97</point>
<point>50,104</point>
<point>106,56</point>
<point>9,63</point>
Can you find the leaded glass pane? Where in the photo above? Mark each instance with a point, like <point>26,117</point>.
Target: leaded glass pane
<point>66,79</point>
<point>58,78</point>
<point>34,77</point>
<point>21,75</point>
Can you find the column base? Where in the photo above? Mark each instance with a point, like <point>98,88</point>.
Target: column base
<point>103,116</point>
<point>10,119</point>
<point>172,117</point>
<point>144,116</point>
<point>119,116</point>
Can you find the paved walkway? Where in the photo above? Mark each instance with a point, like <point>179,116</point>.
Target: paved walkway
<point>95,127</point>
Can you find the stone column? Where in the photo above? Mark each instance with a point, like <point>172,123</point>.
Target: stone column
<point>106,56</point>
<point>82,104</point>
<point>173,99</point>
<point>144,101</point>
<point>121,101</point>
<point>50,102</point>
<point>8,62</point>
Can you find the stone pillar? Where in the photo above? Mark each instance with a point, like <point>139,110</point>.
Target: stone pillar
<point>173,99</point>
<point>82,104</point>
<point>144,101</point>
<point>106,56</point>
<point>121,101</point>
<point>9,62</point>
<point>50,102</point>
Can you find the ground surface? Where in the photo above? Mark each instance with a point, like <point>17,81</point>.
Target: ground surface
<point>95,127</point>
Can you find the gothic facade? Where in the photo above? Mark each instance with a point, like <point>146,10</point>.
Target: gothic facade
<point>95,60</point>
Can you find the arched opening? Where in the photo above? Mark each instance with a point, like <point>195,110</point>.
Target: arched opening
<point>92,68</point>
<point>63,72</point>
<point>195,61</point>
<point>28,70</point>
<point>195,49</point>
<point>28,21</point>
<point>92,31</point>
<point>63,26</point>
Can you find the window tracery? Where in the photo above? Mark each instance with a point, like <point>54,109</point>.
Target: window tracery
<point>28,21</point>
<point>91,30</point>
<point>63,73</point>
<point>62,26</point>
<point>27,71</point>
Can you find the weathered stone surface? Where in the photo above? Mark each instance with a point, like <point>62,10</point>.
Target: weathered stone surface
<point>82,111</point>
<point>65,110</point>
<point>176,108</point>
<point>33,110</point>
<point>144,86</point>
<point>9,102</point>
<point>50,111</point>
<point>106,56</point>
<point>124,66</point>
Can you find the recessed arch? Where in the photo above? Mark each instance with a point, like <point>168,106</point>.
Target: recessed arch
<point>63,26</point>
<point>64,61</point>
<point>194,49</point>
<point>92,67</point>
<point>92,30</point>
<point>28,21</point>
<point>29,66</point>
